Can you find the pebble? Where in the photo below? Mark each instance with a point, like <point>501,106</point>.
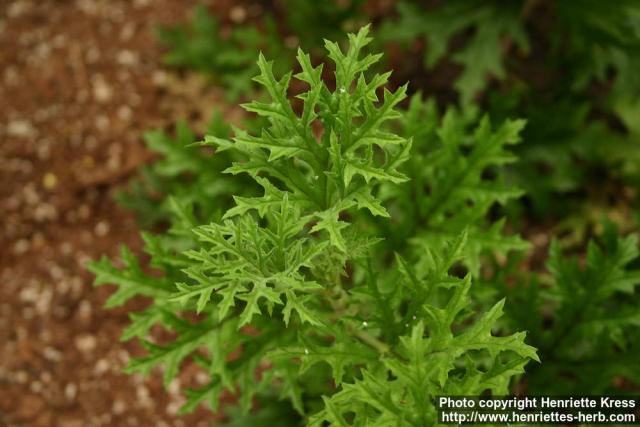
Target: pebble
<point>29,294</point>
<point>202,377</point>
<point>102,92</point>
<point>45,212</point>
<point>56,272</point>
<point>21,377</point>
<point>43,304</point>
<point>70,391</point>
<point>174,406</point>
<point>174,387</point>
<point>102,123</point>
<point>30,194</point>
<point>49,181</point>
<point>127,31</point>
<point>35,387</point>
<point>125,113</point>
<point>118,407</point>
<point>84,310</point>
<point>101,367</point>
<point>21,129</point>
<point>127,58</point>
<point>52,354</point>
<point>144,397</point>
<point>18,8</point>
<point>21,246</point>
<point>102,229</point>
<point>86,343</point>
<point>238,14</point>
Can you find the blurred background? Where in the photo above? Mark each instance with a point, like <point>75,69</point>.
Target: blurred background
<point>81,81</point>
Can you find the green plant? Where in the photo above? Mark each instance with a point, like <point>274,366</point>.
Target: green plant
<point>569,68</point>
<point>288,281</point>
<point>456,169</point>
<point>583,319</point>
<point>482,55</point>
<point>187,173</point>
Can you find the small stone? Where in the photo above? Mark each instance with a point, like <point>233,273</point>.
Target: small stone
<point>119,407</point>
<point>45,212</point>
<point>52,354</point>
<point>238,14</point>
<point>101,367</point>
<point>21,129</point>
<point>159,78</point>
<point>174,406</point>
<point>86,343</point>
<point>125,113</point>
<point>29,294</point>
<point>102,92</point>
<point>70,391</point>
<point>127,58</point>
<point>102,228</point>
<point>84,310</point>
<point>102,123</point>
<point>56,272</point>
<point>202,377</point>
<point>174,387</point>
<point>127,31</point>
<point>21,377</point>
<point>66,248</point>
<point>144,397</point>
<point>35,387</point>
<point>19,7</point>
<point>21,246</point>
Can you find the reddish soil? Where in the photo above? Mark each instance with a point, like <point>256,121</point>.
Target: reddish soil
<point>79,82</point>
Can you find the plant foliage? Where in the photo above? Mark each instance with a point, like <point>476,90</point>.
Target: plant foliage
<point>456,170</point>
<point>186,173</point>
<point>569,68</point>
<point>584,320</point>
<point>482,55</point>
<point>286,294</point>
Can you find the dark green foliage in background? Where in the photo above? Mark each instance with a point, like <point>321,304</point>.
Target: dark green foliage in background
<point>584,319</point>
<point>569,68</point>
